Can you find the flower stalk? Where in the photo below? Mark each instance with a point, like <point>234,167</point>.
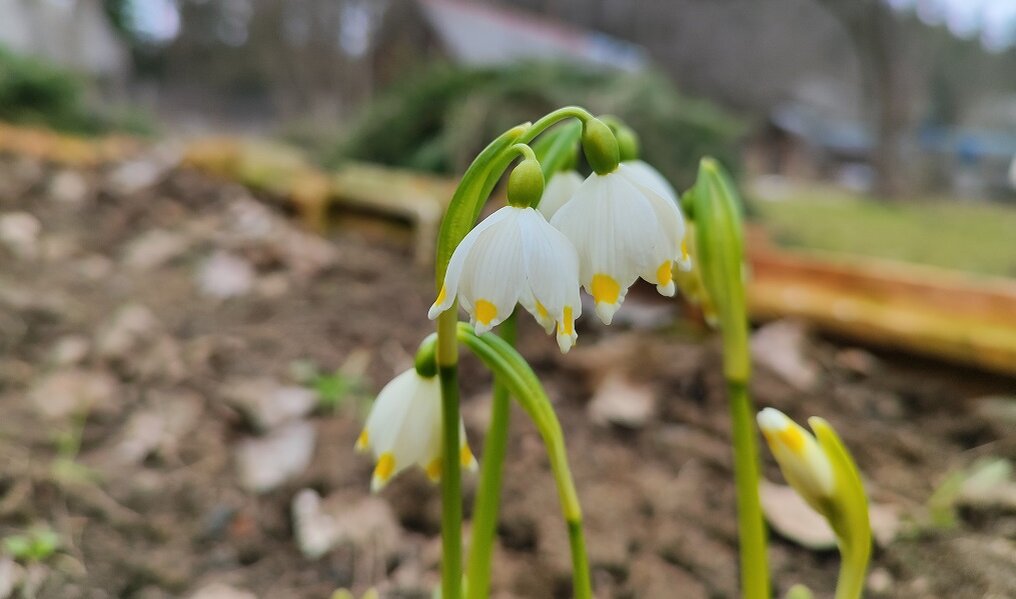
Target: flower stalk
<point>488,493</point>
<point>719,247</point>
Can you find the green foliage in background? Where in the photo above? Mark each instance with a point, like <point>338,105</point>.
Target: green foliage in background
<point>971,236</point>
<point>35,92</point>
<point>440,118</point>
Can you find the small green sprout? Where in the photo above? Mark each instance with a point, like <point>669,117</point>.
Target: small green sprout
<point>333,389</point>
<point>34,545</point>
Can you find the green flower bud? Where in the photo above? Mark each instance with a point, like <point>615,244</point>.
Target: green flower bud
<point>425,362</point>
<point>600,147</point>
<point>525,184</point>
<point>627,142</point>
<point>719,248</point>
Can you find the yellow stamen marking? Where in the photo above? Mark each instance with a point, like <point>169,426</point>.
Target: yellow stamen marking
<point>542,310</point>
<point>363,440</point>
<point>664,274</point>
<point>684,250</point>
<point>605,289</point>
<point>793,438</point>
<point>441,296</point>
<point>485,312</point>
<point>433,469</point>
<point>567,321</point>
<point>466,456</point>
<point>385,466</point>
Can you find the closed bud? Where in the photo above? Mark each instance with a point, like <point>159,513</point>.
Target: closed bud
<point>525,184</point>
<point>600,147</point>
<point>719,253</point>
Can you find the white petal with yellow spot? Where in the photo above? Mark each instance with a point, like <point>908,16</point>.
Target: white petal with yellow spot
<point>623,230</point>
<point>514,256</point>
<point>802,461</point>
<point>404,428</point>
<point>559,190</point>
<point>645,175</point>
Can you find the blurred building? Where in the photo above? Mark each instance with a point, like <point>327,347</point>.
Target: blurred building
<point>71,33</point>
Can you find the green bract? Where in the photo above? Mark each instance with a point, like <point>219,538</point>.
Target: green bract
<point>847,511</point>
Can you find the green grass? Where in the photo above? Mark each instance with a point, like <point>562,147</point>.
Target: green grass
<point>978,237</point>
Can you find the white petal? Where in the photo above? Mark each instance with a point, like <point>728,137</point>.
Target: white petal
<point>552,273</point>
<point>651,178</point>
<point>615,231</point>
<point>389,410</point>
<point>420,435</point>
<point>664,202</point>
<point>559,190</point>
<point>493,276</point>
<point>453,274</point>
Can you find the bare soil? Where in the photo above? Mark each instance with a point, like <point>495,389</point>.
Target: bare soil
<point>173,518</point>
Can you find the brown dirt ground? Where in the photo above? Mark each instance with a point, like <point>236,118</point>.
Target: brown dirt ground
<point>658,498</point>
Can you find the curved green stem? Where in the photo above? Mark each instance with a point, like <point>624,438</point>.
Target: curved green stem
<point>552,118</point>
<point>487,503</point>
<point>751,528</point>
<point>853,567</point>
<point>512,369</point>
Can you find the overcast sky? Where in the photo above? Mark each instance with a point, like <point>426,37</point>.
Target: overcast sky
<point>992,21</point>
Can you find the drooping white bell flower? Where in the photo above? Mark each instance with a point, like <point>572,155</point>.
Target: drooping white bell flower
<point>623,229</point>
<point>651,178</point>
<point>560,189</point>
<point>404,428</point>
<point>803,462</point>
<point>515,256</point>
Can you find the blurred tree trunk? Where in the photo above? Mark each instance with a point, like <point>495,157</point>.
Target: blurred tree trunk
<point>876,35</point>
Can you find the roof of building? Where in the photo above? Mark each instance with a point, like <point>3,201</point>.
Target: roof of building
<point>483,34</point>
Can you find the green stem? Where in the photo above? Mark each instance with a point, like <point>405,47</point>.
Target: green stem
<point>488,494</point>
<point>505,362</point>
<point>581,579</point>
<point>553,118</point>
<point>446,357</point>
<point>751,528</point>
<point>853,568</point>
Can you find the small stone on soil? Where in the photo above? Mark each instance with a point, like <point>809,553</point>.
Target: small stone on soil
<point>321,525</point>
<point>129,327</point>
<point>222,591</point>
<point>267,403</point>
<point>782,347</point>
<point>158,427</point>
<point>68,187</point>
<point>69,350</point>
<point>19,233</point>
<point>65,393</point>
<point>267,462</point>
<point>225,275</point>
<point>619,401</point>
<point>154,249</point>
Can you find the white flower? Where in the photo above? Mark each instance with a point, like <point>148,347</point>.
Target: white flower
<point>559,190</point>
<point>803,462</point>
<point>651,178</point>
<point>515,257</point>
<point>404,428</point>
<point>623,229</point>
